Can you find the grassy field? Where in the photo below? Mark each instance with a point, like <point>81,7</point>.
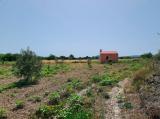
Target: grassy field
<point>68,90</point>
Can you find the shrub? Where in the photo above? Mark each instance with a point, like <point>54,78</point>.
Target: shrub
<point>3,114</point>
<point>65,93</point>
<point>147,55</point>
<point>75,99</point>
<point>72,109</point>
<point>139,77</point>
<point>47,112</point>
<point>127,105</point>
<point>75,109</point>
<point>50,70</point>
<point>81,113</point>
<point>107,80</point>
<point>19,104</point>
<point>96,78</point>
<point>28,66</point>
<point>76,84</point>
<point>54,98</point>
<point>89,92</point>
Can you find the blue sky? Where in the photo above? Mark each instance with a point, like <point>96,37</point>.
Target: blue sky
<point>80,27</point>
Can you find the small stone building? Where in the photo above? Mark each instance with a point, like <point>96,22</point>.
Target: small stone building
<point>108,56</point>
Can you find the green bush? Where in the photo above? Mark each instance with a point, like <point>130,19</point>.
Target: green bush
<point>127,105</point>
<point>54,98</point>
<point>76,112</point>
<point>107,80</point>
<point>76,84</point>
<point>96,78</point>
<point>76,109</point>
<point>28,66</point>
<point>75,99</point>
<point>3,113</point>
<point>48,112</point>
<point>73,108</point>
<point>89,92</point>
<point>19,104</point>
<point>147,55</point>
<point>50,70</point>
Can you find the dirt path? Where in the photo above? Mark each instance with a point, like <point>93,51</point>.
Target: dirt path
<point>112,110</point>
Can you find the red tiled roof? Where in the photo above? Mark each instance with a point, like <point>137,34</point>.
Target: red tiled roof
<point>109,52</point>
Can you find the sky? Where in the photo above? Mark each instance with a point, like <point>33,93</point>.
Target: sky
<point>80,27</point>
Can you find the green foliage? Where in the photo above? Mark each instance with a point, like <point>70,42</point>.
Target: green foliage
<point>104,80</point>
<point>126,105</point>
<point>89,92</point>
<point>76,112</point>
<point>19,104</point>
<point>48,112</point>
<point>28,65</point>
<point>127,69</point>
<point>75,99</point>
<point>96,78</point>
<point>147,55</point>
<point>107,80</point>
<point>8,57</point>
<point>51,57</point>
<point>74,109</point>
<point>54,98</point>
<point>3,113</point>
<point>5,72</point>
<point>50,70</point>
<point>75,84</point>
<point>67,91</point>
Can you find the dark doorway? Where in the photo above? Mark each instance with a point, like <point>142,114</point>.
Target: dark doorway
<point>107,58</point>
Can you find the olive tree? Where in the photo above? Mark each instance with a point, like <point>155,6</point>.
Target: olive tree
<point>28,66</point>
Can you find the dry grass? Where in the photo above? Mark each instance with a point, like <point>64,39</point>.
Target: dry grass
<point>67,61</point>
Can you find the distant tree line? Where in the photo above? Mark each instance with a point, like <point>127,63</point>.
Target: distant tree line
<point>14,57</point>
<point>145,55</point>
<point>8,57</point>
<point>70,57</point>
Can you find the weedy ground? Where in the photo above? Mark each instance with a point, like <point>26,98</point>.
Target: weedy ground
<point>67,90</point>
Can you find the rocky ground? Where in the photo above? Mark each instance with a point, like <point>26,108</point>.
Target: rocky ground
<point>124,105</point>
<point>150,96</point>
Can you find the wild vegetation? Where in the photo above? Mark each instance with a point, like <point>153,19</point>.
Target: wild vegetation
<point>67,90</point>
